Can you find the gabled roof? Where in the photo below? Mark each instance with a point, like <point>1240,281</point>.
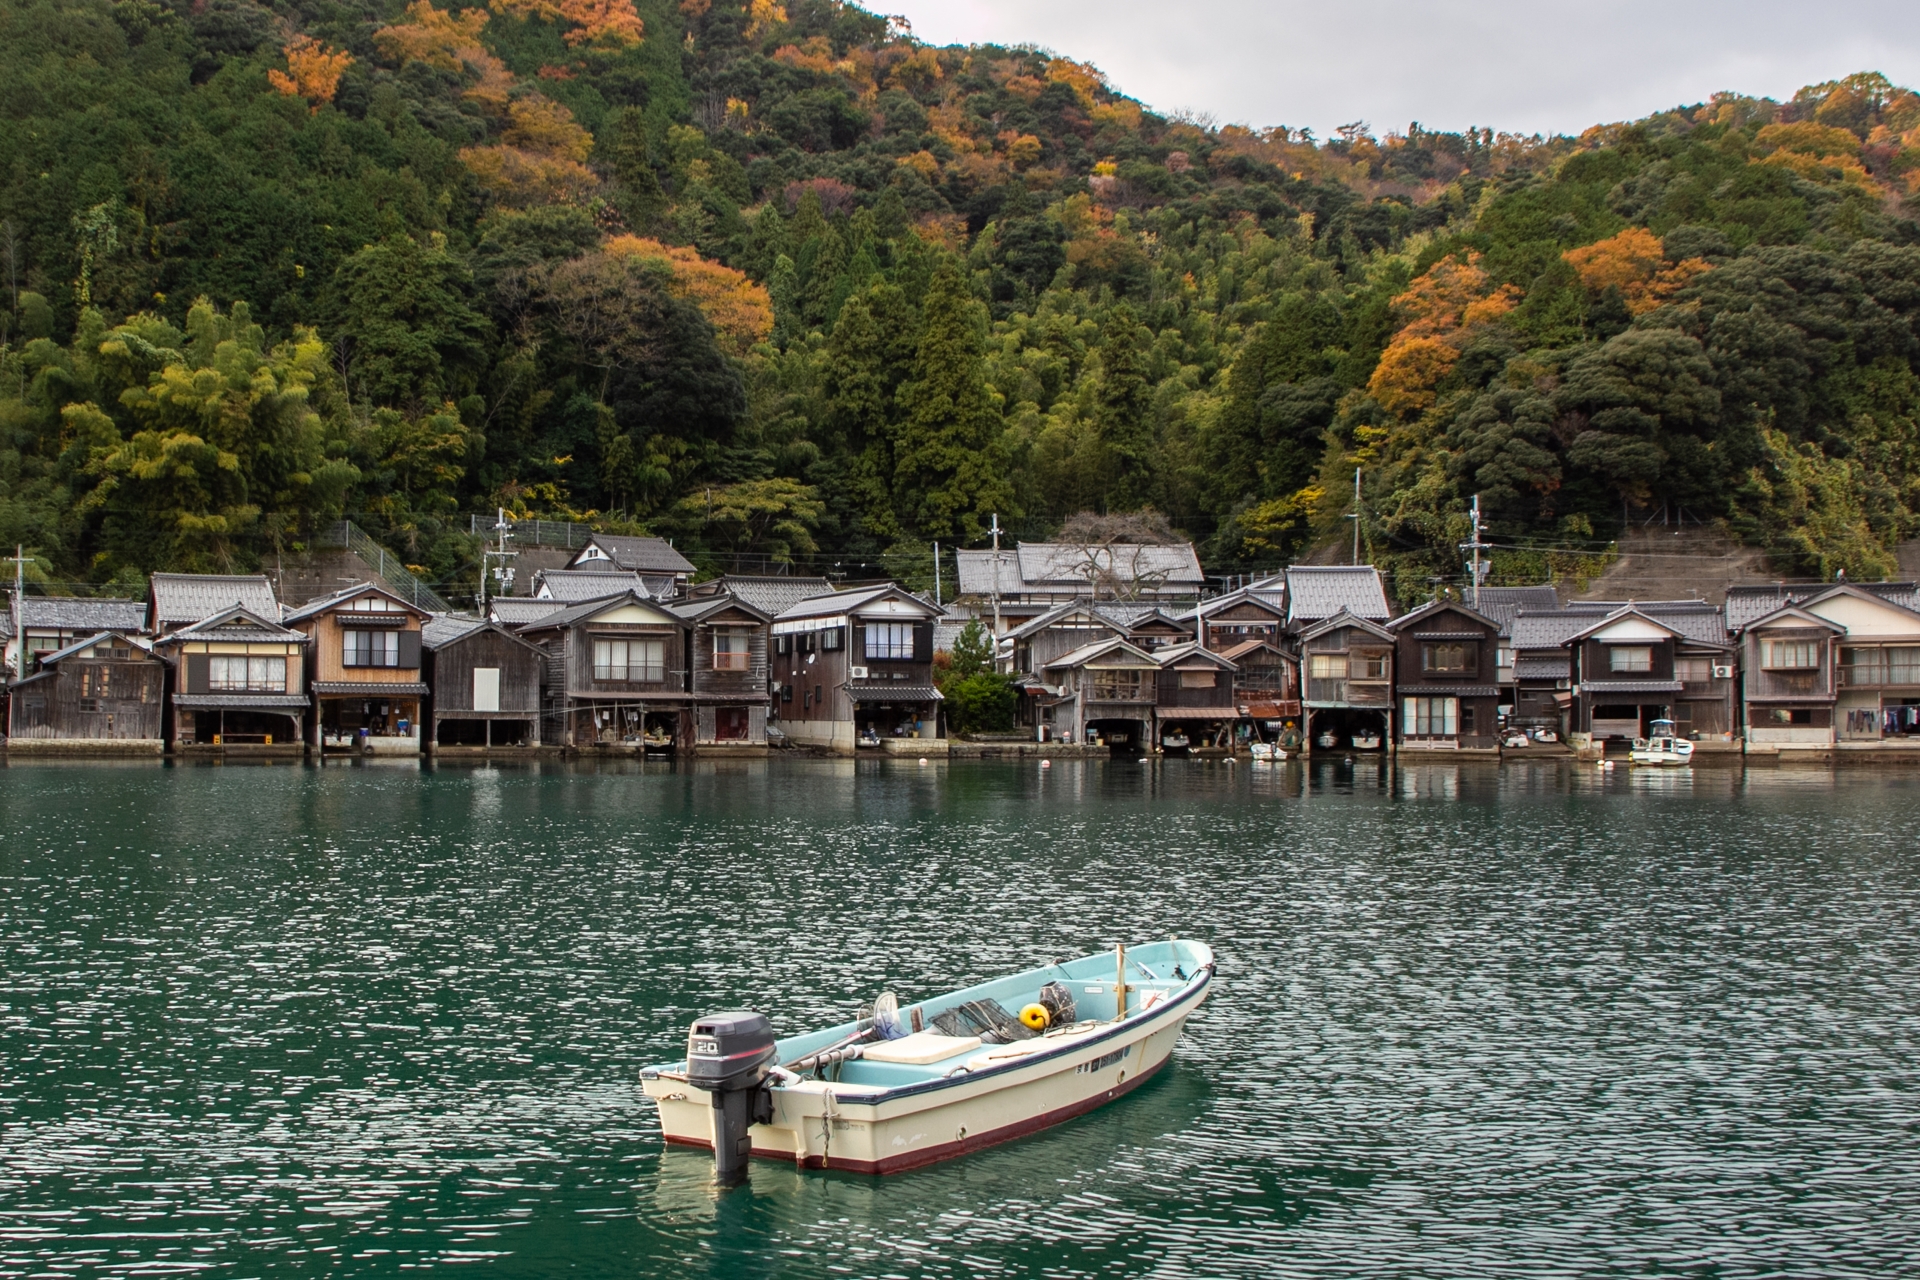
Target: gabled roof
<point>519,610</point>
<point>594,608</point>
<point>1850,591</point>
<point>1245,595</point>
<point>451,628</point>
<point>81,645</point>
<point>1113,646</point>
<point>571,586</point>
<point>641,555</point>
<point>845,602</point>
<point>189,597</point>
<point>1795,614</point>
<point>696,610</point>
<point>76,613</point>
<point>1432,607</point>
<point>769,593</point>
<point>1239,653</point>
<point>1502,603</point>
<point>1618,616</point>
<point>237,623</point>
<point>1749,601</point>
<point>313,608</point>
<point>1346,619</point>
<point>1321,591</point>
<point>1060,613</point>
<point>1190,653</point>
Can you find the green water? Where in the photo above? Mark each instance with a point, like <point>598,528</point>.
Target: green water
<point>1539,1020</point>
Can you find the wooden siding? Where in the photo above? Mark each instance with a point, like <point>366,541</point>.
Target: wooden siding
<point>452,667</point>
<point>53,708</point>
<point>329,647</point>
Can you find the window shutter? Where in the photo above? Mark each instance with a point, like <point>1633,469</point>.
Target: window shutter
<point>707,731</point>
<point>923,642</point>
<point>859,645</point>
<point>756,724</point>
<point>409,649</point>
<point>196,673</point>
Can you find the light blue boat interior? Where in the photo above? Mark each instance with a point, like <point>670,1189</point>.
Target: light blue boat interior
<point>1167,967</point>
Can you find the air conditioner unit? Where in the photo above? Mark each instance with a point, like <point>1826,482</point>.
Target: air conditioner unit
<point>1722,672</point>
<point>859,673</point>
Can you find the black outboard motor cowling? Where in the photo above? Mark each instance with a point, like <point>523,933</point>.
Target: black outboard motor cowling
<point>729,1055</point>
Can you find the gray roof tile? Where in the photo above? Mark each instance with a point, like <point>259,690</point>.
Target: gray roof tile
<point>642,555</point>
<point>189,597</point>
<point>768,593</point>
<point>76,613</point>
<point>1317,592</point>
<point>1501,603</point>
<point>571,586</point>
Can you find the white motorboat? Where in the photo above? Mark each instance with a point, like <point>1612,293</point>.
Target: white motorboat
<point>910,1086</point>
<point>1366,741</point>
<point>1267,752</point>
<point>1661,746</point>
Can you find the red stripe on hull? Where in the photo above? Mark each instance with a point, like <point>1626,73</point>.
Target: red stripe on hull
<point>948,1150</point>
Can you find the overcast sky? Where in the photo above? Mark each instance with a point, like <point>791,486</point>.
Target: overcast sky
<point>1533,66</point>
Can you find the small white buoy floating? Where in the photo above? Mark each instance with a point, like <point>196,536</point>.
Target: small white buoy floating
<point>1046,764</point>
<point>923,760</point>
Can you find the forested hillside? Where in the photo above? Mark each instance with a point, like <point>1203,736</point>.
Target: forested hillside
<point>789,286</point>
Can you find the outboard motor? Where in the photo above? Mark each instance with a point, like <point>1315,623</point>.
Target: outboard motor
<point>729,1055</point>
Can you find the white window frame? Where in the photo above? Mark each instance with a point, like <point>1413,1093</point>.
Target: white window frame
<point>636,660</point>
<point>1630,659</point>
<point>363,648</point>
<point>246,673</point>
<point>889,641</point>
<point>1430,717</point>
<point>737,653</point>
<point>1786,655</point>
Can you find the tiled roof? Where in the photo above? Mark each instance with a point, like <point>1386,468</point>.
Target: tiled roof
<point>445,628</point>
<point>571,586</point>
<point>1501,603</point>
<point>1315,592</point>
<point>513,611</point>
<point>1548,666</point>
<point>1245,595</point>
<point>1099,648</point>
<point>189,597</point>
<point>644,555</point>
<point>1191,649</point>
<point>1063,567</point>
<point>313,608</point>
<point>575,613</point>
<point>768,593</point>
<point>75,613</point>
<point>238,623</point>
<point>699,607</point>
<point>1549,629</point>
<point>1749,602</point>
<point>840,602</point>
<point>1240,652</point>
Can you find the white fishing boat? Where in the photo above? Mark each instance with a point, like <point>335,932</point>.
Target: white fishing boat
<point>912,1085</point>
<point>1267,752</point>
<point>1661,746</point>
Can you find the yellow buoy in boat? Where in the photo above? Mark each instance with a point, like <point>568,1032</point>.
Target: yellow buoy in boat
<point>1036,1017</point>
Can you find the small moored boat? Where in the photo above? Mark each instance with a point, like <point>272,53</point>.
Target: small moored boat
<point>910,1086</point>
<point>1662,745</point>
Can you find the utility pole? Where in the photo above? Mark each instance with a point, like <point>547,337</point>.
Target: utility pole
<point>1355,517</point>
<point>936,577</point>
<point>503,571</point>
<point>19,558</point>
<point>996,590</point>
<point>1476,546</point>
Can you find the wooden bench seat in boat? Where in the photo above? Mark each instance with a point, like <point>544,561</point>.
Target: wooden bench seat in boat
<point>920,1048</point>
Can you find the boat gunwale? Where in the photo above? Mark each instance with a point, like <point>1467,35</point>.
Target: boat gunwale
<point>1202,978</point>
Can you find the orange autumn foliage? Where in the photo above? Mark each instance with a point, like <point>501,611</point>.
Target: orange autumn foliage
<point>1083,78</point>
<point>315,71</point>
<point>594,21</point>
<point>741,311</point>
<point>440,38</point>
<point>763,16</point>
<point>538,160</point>
<point>1634,263</point>
<point>1439,311</point>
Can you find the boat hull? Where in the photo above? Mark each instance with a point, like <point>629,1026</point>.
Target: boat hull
<point>824,1125</point>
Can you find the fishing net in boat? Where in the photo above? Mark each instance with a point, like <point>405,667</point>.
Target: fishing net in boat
<point>1058,1002</point>
<point>988,1019</point>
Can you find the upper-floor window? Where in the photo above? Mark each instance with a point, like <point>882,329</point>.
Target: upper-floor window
<point>1898,664</point>
<point>1693,670</point>
<point>232,673</point>
<point>1196,679</point>
<point>1449,657</point>
<point>833,638</point>
<point>1504,655</point>
<point>1327,666</point>
<point>1116,686</point>
<point>890,641</point>
<point>1630,659</point>
<point>1791,655</point>
<point>638,661</point>
<point>372,604</point>
<point>732,649</point>
<point>369,648</point>
<point>1368,665</point>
